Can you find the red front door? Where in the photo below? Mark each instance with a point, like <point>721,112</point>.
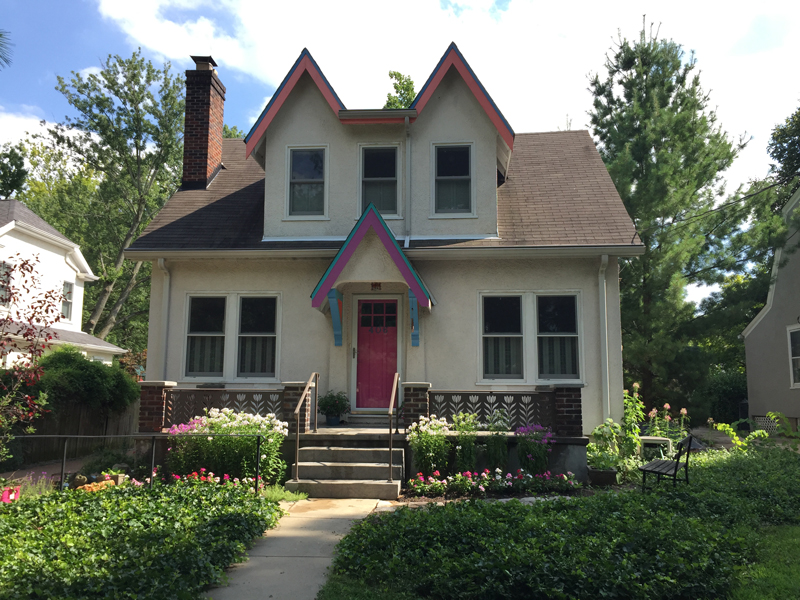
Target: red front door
<point>377,352</point>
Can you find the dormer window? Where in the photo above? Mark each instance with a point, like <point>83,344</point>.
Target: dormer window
<point>453,193</point>
<point>307,182</point>
<point>379,179</point>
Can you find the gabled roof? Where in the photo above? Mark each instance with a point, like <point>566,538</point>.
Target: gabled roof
<point>305,63</point>
<point>370,219</point>
<point>13,210</point>
<point>453,58</point>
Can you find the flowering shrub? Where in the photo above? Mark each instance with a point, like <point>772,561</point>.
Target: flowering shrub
<point>497,443</point>
<point>233,455</point>
<point>428,441</point>
<point>469,484</point>
<point>466,424</point>
<point>533,444</point>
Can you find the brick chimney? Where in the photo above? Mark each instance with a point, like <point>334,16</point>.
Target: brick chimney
<point>202,134</point>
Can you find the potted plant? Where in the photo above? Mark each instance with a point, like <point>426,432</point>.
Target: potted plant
<point>333,405</point>
<point>602,454</point>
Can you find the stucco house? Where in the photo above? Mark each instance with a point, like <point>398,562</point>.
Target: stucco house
<point>61,266</point>
<point>434,242</point>
<point>772,339</point>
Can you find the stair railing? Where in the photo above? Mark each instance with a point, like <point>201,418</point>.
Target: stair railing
<point>306,393</point>
<point>391,436</point>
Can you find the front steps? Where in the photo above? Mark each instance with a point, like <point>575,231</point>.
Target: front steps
<point>346,472</point>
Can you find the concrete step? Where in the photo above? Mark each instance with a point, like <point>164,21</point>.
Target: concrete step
<point>356,455</point>
<point>333,488</point>
<point>347,470</point>
<point>374,420</point>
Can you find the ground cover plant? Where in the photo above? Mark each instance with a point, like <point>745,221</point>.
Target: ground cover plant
<point>689,541</point>
<point>129,541</point>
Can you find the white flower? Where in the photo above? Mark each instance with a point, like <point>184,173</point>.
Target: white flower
<point>263,457</point>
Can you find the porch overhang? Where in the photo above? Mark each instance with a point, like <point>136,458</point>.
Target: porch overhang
<point>370,219</point>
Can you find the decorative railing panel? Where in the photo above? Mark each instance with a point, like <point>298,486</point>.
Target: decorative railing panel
<point>184,404</point>
<point>522,408</point>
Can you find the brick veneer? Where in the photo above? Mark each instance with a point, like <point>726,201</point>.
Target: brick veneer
<point>569,420</point>
<point>291,395</point>
<point>152,404</point>
<point>415,402</point>
<point>202,136</point>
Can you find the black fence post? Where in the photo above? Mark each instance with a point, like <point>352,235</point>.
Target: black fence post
<point>258,463</point>
<point>63,465</point>
<point>152,461</point>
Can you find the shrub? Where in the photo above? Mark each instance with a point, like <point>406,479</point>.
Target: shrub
<point>466,424</point>
<point>603,451</point>
<point>428,440</point>
<point>235,456</point>
<point>70,379</point>
<point>497,442</point>
<point>334,404</point>
<point>469,484</point>
<point>533,445</point>
<point>722,393</point>
<point>128,541</point>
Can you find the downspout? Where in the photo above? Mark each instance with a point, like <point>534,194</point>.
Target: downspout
<point>602,293</point>
<point>165,293</point>
<point>408,182</point>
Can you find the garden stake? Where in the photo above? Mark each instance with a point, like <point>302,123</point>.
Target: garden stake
<point>63,465</point>
<point>152,461</point>
<point>258,463</point>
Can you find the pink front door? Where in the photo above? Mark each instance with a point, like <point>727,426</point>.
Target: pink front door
<point>377,352</point>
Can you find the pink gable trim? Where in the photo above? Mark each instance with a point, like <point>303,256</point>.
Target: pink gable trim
<point>454,60</point>
<point>306,65</point>
<point>371,221</point>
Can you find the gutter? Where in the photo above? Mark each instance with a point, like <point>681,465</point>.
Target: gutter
<point>165,294</point>
<point>407,193</point>
<point>602,290</point>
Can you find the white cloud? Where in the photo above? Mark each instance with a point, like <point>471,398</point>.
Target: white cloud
<point>90,71</point>
<point>532,57</point>
<point>14,126</point>
<point>253,115</point>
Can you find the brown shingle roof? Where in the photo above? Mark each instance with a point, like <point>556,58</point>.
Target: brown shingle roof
<point>557,193</point>
<point>13,210</point>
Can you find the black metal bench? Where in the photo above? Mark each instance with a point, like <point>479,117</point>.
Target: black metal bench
<point>669,468</point>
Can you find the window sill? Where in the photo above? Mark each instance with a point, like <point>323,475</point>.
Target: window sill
<point>453,216</point>
<point>307,218</point>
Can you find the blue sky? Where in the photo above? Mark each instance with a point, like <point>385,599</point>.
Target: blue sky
<point>532,57</point>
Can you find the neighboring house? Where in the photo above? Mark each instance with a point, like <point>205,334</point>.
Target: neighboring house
<point>772,339</point>
<point>61,267</point>
<point>432,241</point>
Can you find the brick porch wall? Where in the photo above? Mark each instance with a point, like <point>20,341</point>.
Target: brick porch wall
<point>152,405</point>
<point>569,420</point>
<point>415,402</point>
<point>291,395</point>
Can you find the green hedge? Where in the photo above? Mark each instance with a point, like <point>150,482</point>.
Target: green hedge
<point>127,542</point>
<point>688,542</point>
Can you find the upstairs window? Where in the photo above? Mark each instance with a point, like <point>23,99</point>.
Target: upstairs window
<point>379,180</point>
<point>206,338</point>
<point>66,303</point>
<point>794,356</point>
<point>558,337</point>
<point>307,182</point>
<point>453,180</point>
<point>257,337</point>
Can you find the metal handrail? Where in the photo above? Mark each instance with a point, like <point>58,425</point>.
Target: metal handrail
<point>314,377</point>
<point>391,437</point>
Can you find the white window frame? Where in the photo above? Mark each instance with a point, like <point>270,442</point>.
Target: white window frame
<point>187,334</point>
<point>326,183</point>
<point>68,301</point>
<point>398,172</point>
<point>523,327</point>
<point>231,345</point>
<point>793,385</point>
<point>577,335</point>
<point>473,213</point>
<point>530,339</point>
<point>239,335</point>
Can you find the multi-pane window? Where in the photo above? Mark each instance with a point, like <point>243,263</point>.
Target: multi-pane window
<point>66,302</point>
<point>206,338</point>
<point>307,182</point>
<point>794,355</point>
<point>379,180</point>
<point>5,284</point>
<point>557,333</point>
<point>502,337</point>
<point>257,337</point>
<point>453,181</point>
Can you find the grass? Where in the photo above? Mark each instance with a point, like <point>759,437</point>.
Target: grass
<point>776,574</point>
<point>276,493</point>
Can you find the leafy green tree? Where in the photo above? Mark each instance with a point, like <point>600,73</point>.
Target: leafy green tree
<point>5,49</point>
<point>404,93</point>
<point>232,132</point>
<point>665,153</point>
<point>12,171</point>
<point>128,135</point>
<point>784,149</point>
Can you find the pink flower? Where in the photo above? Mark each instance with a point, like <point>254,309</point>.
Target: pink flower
<point>436,474</point>
<point>481,488</point>
<point>666,407</point>
<point>668,418</point>
<point>652,414</point>
<point>684,412</point>
<point>226,477</point>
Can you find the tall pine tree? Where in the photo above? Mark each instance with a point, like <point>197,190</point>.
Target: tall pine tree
<point>665,152</point>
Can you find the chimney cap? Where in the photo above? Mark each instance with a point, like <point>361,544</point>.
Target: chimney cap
<point>200,61</point>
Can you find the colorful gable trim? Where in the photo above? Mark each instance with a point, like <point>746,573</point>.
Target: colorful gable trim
<point>371,219</point>
<point>304,63</point>
<point>453,58</point>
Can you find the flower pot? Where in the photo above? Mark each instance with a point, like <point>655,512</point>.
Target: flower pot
<point>117,479</point>
<point>602,477</point>
<point>10,494</point>
<point>332,420</point>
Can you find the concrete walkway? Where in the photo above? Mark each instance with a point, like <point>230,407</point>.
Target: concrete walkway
<point>290,562</point>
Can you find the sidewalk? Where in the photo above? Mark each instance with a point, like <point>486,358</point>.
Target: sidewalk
<point>290,562</point>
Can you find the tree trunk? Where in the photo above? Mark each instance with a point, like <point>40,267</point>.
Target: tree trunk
<point>123,297</point>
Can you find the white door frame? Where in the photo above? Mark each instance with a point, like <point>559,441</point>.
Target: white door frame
<point>401,340</point>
